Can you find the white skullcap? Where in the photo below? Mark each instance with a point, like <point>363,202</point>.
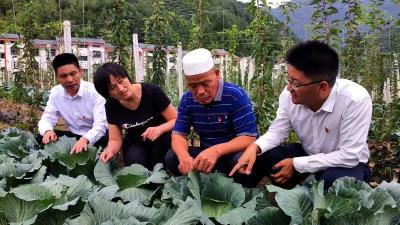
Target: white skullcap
<point>197,61</point>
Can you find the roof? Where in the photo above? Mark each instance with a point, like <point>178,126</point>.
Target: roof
<point>40,42</point>
<point>9,36</point>
<point>219,52</point>
<point>151,47</point>
<point>84,40</point>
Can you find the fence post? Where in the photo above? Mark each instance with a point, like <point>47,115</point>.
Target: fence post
<point>67,36</point>
<point>138,70</point>
<point>222,67</point>
<point>90,63</point>
<point>179,70</point>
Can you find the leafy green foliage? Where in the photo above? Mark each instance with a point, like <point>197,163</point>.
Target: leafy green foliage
<point>200,22</point>
<point>45,196</point>
<point>16,143</point>
<point>263,93</point>
<point>21,212</point>
<point>158,31</point>
<point>10,167</point>
<point>60,161</point>
<point>52,196</point>
<point>270,216</point>
<point>347,200</point>
<point>220,199</point>
<point>135,182</point>
<point>233,70</point>
<point>324,29</point>
<point>118,34</point>
<point>297,202</point>
<point>34,182</point>
<point>61,151</point>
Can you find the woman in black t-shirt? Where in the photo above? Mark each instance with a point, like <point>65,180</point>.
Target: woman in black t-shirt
<point>140,117</point>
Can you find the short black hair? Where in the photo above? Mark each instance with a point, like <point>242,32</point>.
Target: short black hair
<point>65,59</point>
<point>102,76</point>
<point>316,59</point>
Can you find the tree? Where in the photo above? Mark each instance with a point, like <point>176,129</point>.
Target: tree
<point>395,60</point>
<point>352,60</point>
<point>233,72</point>
<point>323,28</point>
<point>373,74</point>
<point>265,48</point>
<point>87,16</point>
<point>200,21</point>
<point>286,42</point>
<point>118,33</point>
<point>31,25</point>
<point>158,32</point>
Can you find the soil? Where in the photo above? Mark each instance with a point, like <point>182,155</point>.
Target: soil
<point>13,114</point>
<point>3,125</point>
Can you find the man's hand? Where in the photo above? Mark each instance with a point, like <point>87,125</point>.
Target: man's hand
<point>80,145</point>
<point>48,136</point>
<point>152,133</point>
<point>286,167</point>
<point>106,155</point>
<point>185,164</point>
<point>206,160</point>
<point>246,161</point>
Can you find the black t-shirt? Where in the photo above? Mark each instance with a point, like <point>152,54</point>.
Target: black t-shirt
<point>135,122</point>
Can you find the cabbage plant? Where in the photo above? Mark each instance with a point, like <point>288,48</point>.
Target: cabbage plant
<point>49,186</point>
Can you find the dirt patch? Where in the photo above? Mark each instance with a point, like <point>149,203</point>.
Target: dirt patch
<point>14,114</point>
<point>3,126</point>
<point>11,112</point>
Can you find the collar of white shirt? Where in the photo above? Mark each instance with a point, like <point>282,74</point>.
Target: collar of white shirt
<point>80,91</point>
<point>330,101</point>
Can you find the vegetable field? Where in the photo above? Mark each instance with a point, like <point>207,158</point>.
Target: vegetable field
<point>48,186</point>
<point>45,185</point>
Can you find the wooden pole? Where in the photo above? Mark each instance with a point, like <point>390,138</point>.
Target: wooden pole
<point>67,36</point>
<point>138,69</point>
<point>179,70</point>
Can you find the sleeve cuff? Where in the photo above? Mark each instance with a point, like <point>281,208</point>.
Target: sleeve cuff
<point>90,139</point>
<point>247,134</point>
<point>180,133</point>
<point>260,144</point>
<point>300,164</point>
<point>43,129</point>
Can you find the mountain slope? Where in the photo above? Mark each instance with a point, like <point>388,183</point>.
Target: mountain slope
<point>302,16</point>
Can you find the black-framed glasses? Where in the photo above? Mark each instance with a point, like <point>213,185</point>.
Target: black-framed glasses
<point>296,86</point>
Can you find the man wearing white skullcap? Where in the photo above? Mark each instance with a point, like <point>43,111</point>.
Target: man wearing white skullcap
<point>222,116</point>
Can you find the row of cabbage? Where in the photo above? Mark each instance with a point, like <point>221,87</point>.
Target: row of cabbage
<point>48,186</point>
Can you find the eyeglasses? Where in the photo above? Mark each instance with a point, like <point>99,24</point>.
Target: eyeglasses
<point>295,85</point>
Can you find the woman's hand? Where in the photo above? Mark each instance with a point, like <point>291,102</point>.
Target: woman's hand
<point>106,155</point>
<point>152,133</point>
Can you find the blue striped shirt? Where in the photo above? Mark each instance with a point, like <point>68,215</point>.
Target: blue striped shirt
<point>228,116</point>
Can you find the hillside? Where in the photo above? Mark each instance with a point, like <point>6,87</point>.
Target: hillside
<point>91,18</point>
<point>302,16</point>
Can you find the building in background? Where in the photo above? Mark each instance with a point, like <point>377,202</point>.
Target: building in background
<point>8,55</point>
<point>91,53</point>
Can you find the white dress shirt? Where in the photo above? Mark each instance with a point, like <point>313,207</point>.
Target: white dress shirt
<point>333,136</point>
<point>84,113</point>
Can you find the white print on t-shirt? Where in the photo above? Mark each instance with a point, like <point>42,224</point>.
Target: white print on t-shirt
<point>136,124</point>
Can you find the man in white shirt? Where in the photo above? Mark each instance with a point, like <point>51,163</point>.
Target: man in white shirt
<point>330,116</point>
<point>78,102</point>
